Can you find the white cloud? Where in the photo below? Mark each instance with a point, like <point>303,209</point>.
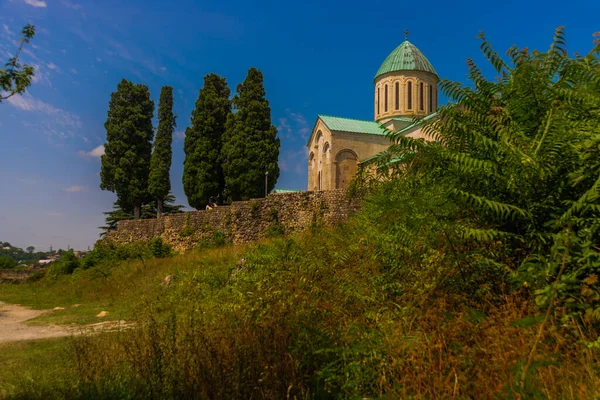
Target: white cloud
<point>7,30</point>
<point>294,161</point>
<point>68,4</point>
<point>98,59</point>
<point>74,188</point>
<point>36,3</point>
<point>163,69</point>
<point>179,135</point>
<point>63,118</point>
<point>94,153</point>
<point>294,125</point>
<point>53,66</point>
<point>73,71</point>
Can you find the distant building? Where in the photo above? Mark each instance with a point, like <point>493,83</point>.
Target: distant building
<point>406,85</point>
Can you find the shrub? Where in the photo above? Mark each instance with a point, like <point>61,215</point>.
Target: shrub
<point>66,264</point>
<point>159,249</point>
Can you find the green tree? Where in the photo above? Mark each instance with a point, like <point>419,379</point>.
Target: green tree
<point>14,77</point>
<point>250,145</point>
<point>519,158</point>
<point>148,211</point>
<point>128,148</point>
<point>202,170</point>
<point>30,249</point>
<point>7,262</point>
<point>159,184</point>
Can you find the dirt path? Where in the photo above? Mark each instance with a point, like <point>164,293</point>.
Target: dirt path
<point>13,327</point>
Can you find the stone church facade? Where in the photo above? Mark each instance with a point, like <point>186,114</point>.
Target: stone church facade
<point>405,86</point>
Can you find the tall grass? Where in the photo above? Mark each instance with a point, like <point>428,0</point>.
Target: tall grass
<point>325,315</point>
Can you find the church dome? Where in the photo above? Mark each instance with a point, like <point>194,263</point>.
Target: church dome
<point>405,57</point>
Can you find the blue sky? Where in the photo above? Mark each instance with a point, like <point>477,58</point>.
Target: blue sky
<point>318,57</point>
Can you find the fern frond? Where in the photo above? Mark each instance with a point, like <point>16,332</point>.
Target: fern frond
<point>500,210</point>
<point>491,54</point>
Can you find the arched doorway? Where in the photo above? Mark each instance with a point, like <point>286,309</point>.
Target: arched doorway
<point>346,167</point>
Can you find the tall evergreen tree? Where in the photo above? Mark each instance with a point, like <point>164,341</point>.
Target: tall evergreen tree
<point>159,184</point>
<point>202,172</point>
<point>129,132</point>
<point>250,145</point>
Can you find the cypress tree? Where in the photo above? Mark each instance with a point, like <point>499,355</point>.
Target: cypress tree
<point>159,184</point>
<point>250,145</point>
<point>129,132</point>
<point>202,172</point>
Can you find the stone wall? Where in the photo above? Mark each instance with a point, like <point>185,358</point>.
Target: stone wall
<point>242,221</point>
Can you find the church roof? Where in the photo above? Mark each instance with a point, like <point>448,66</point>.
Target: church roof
<point>405,57</point>
<point>352,125</point>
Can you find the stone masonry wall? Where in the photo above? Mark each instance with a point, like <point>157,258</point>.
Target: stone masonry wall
<point>242,221</point>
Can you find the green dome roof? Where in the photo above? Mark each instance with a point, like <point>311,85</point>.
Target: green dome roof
<point>405,57</point>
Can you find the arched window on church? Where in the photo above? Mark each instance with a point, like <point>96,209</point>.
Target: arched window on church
<point>430,98</point>
<point>421,103</point>
<point>385,96</point>
<point>397,95</point>
<point>378,100</point>
<point>409,96</point>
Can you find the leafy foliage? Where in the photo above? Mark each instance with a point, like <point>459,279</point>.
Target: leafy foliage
<point>148,211</point>
<point>7,262</point>
<point>66,265</point>
<point>250,144</point>
<point>202,168</point>
<point>14,77</point>
<point>159,182</point>
<point>128,148</point>
<point>515,157</point>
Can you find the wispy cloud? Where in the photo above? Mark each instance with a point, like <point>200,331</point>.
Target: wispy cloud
<point>61,117</point>
<point>94,153</point>
<point>68,4</point>
<point>36,3</point>
<point>74,188</point>
<point>179,135</point>
<point>53,66</point>
<point>73,71</point>
<point>7,30</point>
<point>294,161</point>
<point>293,125</point>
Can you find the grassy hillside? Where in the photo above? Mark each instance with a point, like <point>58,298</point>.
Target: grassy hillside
<point>323,315</point>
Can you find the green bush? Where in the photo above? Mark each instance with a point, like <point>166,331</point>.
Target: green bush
<point>7,262</point>
<point>159,249</point>
<point>66,264</point>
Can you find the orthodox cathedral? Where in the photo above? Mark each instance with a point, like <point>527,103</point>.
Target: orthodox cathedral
<point>405,86</point>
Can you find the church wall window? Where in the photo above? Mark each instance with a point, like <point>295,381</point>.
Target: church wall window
<point>378,98</point>
<point>385,101</point>
<point>430,98</point>
<point>421,93</point>
<point>397,92</point>
<point>409,96</point>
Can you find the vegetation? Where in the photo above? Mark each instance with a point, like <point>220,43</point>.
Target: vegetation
<point>12,255</point>
<point>250,145</point>
<point>203,171</point>
<point>159,182</point>
<point>128,148</point>
<point>148,211</point>
<point>472,272</point>
<point>14,77</point>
